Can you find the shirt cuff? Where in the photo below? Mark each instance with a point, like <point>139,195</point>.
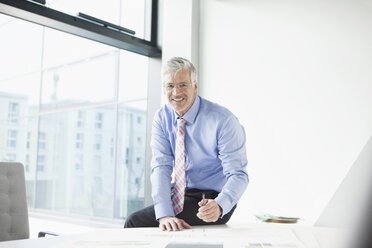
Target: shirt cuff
<point>225,204</point>
<point>163,210</point>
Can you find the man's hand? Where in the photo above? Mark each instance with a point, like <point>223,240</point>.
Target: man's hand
<point>210,212</point>
<point>172,224</point>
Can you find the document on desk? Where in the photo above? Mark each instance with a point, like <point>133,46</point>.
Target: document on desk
<point>192,245</point>
<point>195,238</point>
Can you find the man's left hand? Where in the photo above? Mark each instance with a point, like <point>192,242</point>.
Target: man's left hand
<point>210,212</point>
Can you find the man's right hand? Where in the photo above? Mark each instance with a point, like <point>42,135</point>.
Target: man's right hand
<point>170,223</point>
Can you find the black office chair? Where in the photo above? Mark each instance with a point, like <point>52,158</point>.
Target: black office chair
<point>13,204</point>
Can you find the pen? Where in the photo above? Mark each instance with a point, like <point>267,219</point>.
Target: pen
<point>203,199</point>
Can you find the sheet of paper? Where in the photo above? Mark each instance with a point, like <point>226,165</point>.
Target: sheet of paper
<point>197,237</point>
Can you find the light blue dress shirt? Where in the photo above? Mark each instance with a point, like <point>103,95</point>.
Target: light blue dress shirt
<point>215,154</point>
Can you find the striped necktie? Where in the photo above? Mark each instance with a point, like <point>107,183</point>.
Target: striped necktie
<point>178,192</point>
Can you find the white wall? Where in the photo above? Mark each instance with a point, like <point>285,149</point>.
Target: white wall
<point>180,29</point>
<point>298,74</point>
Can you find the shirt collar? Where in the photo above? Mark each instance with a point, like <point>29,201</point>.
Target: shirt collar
<point>190,115</point>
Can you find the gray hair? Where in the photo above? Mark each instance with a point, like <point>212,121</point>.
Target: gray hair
<point>177,64</point>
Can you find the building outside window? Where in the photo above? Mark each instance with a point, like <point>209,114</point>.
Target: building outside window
<point>40,163</point>
<point>99,120</point>
<point>12,139</point>
<point>98,185</point>
<point>27,163</point>
<point>79,140</point>
<point>79,185</point>
<point>11,157</point>
<point>79,162</point>
<point>97,142</point>
<point>28,140</point>
<point>72,109</point>
<point>13,112</point>
<point>97,163</point>
<point>41,143</point>
<point>80,119</point>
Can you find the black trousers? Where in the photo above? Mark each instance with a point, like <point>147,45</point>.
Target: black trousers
<point>146,217</point>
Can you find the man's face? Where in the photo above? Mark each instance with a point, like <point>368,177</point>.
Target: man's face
<point>179,91</point>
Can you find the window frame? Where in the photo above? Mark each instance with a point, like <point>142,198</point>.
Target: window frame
<point>43,15</point>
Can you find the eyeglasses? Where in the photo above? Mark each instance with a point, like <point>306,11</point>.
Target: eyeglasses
<point>181,86</point>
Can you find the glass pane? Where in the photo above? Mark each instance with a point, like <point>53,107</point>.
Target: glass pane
<point>108,10</point>
<point>18,143</point>
<point>69,153</point>
<point>135,17</point>
<point>20,62</point>
<point>63,49</point>
<point>131,158</point>
<point>85,74</point>
<point>26,58</point>
<point>133,78</point>
<point>73,175</point>
<point>21,88</point>
<point>131,14</point>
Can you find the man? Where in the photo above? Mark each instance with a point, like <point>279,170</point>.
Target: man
<point>204,145</point>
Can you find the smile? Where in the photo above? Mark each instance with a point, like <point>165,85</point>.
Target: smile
<point>177,99</point>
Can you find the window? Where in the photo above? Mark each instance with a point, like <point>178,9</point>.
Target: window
<point>99,120</point>
<point>27,163</point>
<point>129,14</point>
<point>28,140</point>
<point>97,142</point>
<point>13,112</point>
<point>75,94</point>
<point>40,163</point>
<point>79,141</point>
<point>79,162</point>
<point>12,139</point>
<point>11,157</point>
<point>112,148</point>
<point>41,143</point>
<point>80,119</point>
<point>126,156</point>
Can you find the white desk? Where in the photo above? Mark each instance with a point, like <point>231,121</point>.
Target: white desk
<point>232,236</point>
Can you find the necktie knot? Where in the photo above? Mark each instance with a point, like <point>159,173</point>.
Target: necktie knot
<point>181,122</point>
<point>181,125</point>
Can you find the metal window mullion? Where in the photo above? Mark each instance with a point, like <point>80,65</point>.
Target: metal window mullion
<point>38,113</point>
<point>154,22</point>
<point>116,131</point>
